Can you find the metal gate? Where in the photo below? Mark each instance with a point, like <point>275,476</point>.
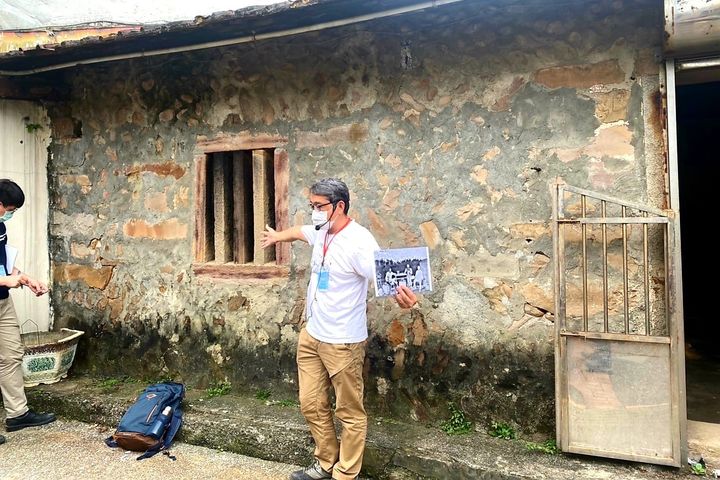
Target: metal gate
<point>619,364</point>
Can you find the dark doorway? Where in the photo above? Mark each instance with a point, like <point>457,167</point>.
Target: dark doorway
<point>698,128</point>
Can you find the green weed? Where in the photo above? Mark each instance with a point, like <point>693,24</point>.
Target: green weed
<point>219,389</point>
<point>457,424</point>
<point>698,469</point>
<point>109,383</point>
<point>548,446</point>
<point>501,430</point>
<point>263,394</point>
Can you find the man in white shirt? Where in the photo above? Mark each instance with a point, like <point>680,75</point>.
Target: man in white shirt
<point>418,279</point>
<point>331,347</point>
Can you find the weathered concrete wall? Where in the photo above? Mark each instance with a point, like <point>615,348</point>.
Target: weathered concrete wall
<point>448,126</point>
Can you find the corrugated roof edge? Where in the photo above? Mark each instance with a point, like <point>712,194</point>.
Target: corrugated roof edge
<point>218,30</point>
<point>179,26</point>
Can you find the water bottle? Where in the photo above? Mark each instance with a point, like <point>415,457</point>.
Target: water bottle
<point>158,427</point>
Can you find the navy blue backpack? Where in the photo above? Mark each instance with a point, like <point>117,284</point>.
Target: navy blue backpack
<point>150,424</point>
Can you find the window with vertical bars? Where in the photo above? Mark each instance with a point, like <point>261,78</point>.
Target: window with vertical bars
<point>239,192</point>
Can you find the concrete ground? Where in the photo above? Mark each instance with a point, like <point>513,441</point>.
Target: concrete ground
<point>276,431</point>
<point>70,449</point>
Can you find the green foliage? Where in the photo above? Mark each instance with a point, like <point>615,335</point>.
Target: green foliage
<point>219,389</point>
<point>263,394</point>
<point>548,446</point>
<point>457,424</point>
<point>698,469</point>
<point>33,127</point>
<point>109,383</point>
<point>501,430</point>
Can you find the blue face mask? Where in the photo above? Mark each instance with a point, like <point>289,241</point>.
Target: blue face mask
<point>6,217</point>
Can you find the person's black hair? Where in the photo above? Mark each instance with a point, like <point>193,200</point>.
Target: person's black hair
<point>332,189</point>
<point>11,195</point>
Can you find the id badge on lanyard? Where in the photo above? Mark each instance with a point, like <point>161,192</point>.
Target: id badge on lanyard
<point>323,279</point>
<point>324,274</point>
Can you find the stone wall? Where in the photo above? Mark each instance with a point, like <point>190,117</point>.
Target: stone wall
<point>449,126</point>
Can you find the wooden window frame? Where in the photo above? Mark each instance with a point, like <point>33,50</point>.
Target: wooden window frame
<point>230,143</point>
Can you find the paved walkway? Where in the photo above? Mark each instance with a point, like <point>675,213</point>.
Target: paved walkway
<point>243,424</point>
<point>69,449</point>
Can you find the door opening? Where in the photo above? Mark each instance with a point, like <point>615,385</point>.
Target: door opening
<point>698,124</point>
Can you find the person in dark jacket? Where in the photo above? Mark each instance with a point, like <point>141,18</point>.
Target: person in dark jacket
<point>11,348</point>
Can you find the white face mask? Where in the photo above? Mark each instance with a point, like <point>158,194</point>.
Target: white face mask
<point>6,217</point>
<point>319,219</point>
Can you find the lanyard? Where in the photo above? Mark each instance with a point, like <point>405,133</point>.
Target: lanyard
<point>326,244</point>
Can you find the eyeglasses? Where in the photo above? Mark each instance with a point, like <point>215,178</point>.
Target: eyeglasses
<point>318,206</point>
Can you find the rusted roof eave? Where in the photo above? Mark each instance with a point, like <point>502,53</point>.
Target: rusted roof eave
<point>236,40</point>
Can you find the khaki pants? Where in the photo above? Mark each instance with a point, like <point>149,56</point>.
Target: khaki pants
<point>11,356</point>
<point>340,366</point>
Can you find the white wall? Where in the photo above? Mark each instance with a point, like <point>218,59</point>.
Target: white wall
<point>23,159</point>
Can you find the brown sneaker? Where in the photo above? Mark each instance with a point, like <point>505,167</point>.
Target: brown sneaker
<point>313,472</point>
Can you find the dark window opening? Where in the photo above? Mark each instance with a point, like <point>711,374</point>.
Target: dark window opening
<point>239,202</point>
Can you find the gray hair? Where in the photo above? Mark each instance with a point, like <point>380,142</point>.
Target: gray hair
<point>333,189</point>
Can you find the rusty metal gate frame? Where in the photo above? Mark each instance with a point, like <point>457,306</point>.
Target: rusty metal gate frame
<point>673,321</point>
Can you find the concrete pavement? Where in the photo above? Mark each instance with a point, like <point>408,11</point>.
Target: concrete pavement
<point>69,449</point>
<point>243,424</point>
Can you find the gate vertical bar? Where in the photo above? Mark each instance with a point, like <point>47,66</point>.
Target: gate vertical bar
<point>626,300</point>
<point>606,325</point>
<point>677,354</point>
<point>646,281</point>
<point>583,227</point>
<point>561,432</point>
<point>675,296</point>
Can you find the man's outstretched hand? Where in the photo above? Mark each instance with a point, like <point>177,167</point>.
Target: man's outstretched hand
<point>269,237</point>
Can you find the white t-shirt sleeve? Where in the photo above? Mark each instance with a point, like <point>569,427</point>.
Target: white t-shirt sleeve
<point>309,233</point>
<point>363,258</point>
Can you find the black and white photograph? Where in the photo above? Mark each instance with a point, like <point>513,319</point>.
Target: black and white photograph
<point>402,266</point>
